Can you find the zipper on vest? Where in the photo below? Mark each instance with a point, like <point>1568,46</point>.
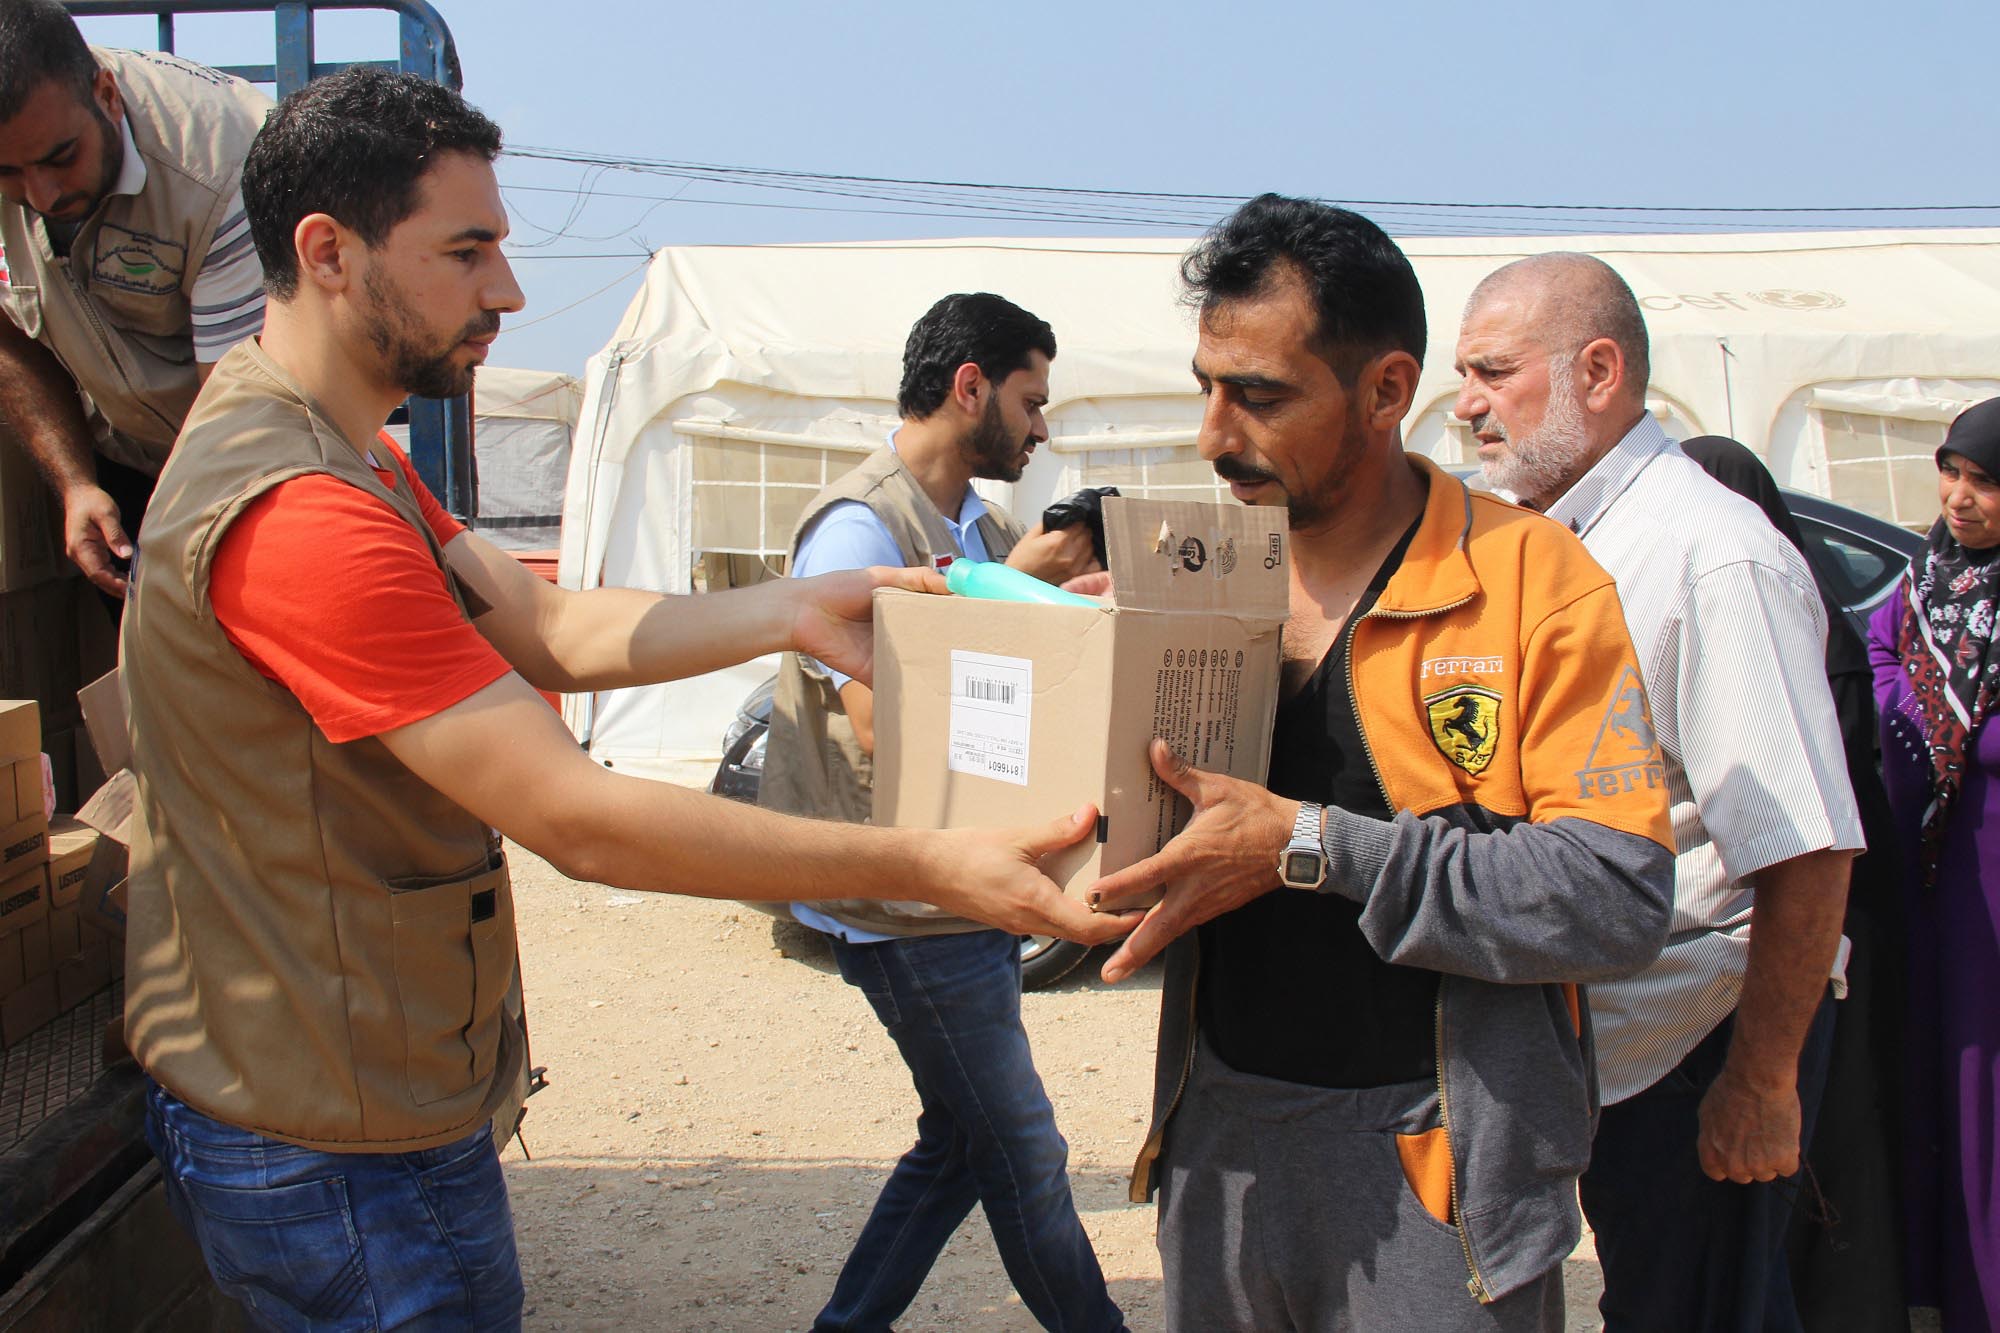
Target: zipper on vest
<point>1354,706</point>
<point>1354,695</point>
<point>1474,1284</point>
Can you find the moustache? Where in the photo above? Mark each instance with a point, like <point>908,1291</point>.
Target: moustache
<point>67,206</point>
<point>1485,424</point>
<point>486,326</point>
<point>1234,469</point>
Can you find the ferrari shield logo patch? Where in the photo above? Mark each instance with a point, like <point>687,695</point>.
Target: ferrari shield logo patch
<point>1465,723</point>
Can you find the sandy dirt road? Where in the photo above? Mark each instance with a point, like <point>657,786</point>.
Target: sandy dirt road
<point>723,1109</point>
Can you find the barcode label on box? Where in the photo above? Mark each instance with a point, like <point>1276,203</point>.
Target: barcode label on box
<point>989,691</point>
<point>991,700</point>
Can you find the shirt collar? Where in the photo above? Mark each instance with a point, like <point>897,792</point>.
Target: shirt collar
<point>1583,504</point>
<point>969,512</point>
<point>132,170</point>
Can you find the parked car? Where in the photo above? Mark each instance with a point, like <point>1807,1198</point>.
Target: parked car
<point>1860,557</point>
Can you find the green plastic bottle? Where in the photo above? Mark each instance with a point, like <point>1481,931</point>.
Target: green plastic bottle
<point>1002,583</point>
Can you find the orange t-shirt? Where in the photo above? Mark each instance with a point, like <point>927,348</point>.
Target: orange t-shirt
<point>327,591</point>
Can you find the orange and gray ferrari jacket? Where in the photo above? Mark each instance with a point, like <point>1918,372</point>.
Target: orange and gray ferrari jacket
<point>1501,706</point>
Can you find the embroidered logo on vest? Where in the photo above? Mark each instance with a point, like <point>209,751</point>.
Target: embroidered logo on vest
<point>133,261</point>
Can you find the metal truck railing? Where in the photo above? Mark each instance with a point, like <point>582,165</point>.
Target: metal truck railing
<point>440,429</point>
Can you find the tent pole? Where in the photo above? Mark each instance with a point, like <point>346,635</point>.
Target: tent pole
<point>1728,399</point>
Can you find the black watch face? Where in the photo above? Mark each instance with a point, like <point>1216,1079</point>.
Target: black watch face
<point>1301,867</point>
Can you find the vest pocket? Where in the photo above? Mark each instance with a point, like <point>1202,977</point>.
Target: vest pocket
<point>23,305</point>
<point>454,945</point>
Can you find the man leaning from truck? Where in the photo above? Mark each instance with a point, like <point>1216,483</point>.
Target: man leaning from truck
<point>1374,1088</point>
<point>330,687</point>
<point>126,267</point>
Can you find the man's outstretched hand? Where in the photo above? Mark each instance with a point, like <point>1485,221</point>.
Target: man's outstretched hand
<point>1226,856</point>
<point>833,617</point>
<point>992,876</point>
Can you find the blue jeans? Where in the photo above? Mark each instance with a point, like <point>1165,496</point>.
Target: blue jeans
<point>1682,1253</point>
<point>310,1240</point>
<point>986,1133</point>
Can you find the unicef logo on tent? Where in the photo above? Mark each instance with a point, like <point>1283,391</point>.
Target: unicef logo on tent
<point>1784,298</point>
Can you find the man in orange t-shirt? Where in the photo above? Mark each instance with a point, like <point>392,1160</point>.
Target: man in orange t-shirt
<point>326,1145</point>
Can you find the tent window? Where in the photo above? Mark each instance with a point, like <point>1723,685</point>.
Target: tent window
<point>1885,466</point>
<point>748,496</point>
<point>1173,473</point>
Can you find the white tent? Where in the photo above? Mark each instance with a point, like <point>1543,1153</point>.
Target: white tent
<point>523,422</point>
<point>522,425</point>
<point>742,378</point>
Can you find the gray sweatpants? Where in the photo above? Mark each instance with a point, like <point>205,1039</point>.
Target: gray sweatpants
<point>1283,1209</point>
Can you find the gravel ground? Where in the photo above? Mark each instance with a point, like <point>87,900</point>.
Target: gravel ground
<point>723,1109</point>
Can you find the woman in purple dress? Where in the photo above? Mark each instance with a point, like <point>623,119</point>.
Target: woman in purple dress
<point>1937,683</point>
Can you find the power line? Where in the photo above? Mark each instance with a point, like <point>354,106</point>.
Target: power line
<point>777,178</point>
<point>1405,224</point>
<point>563,310</point>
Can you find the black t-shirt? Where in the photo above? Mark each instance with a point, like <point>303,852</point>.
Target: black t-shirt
<point>1288,987</point>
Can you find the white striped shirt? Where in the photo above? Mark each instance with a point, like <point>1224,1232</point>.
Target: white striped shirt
<point>1730,633</point>
<point>227,301</point>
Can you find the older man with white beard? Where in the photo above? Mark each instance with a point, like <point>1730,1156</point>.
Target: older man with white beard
<point>1711,1060</point>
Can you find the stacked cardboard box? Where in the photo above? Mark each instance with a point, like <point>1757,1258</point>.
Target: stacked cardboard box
<point>83,956</point>
<point>56,629</point>
<point>61,888</point>
<point>27,986</point>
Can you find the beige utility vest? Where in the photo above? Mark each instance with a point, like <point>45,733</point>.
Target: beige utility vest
<point>320,946</point>
<point>116,311</point>
<point>813,763</point>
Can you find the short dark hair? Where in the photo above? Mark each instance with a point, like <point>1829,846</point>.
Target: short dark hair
<point>989,331</point>
<point>1363,287</point>
<point>353,145</point>
<point>39,41</point>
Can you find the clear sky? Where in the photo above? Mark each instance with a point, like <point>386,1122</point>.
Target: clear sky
<point>1750,103</point>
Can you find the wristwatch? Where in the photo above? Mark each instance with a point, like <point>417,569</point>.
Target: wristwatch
<point>1302,865</point>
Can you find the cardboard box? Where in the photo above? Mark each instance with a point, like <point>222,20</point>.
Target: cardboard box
<point>24,901</point>
<point>102,898</point>
<point>30,534</point>
<point>24,845</point>
<point>26,1010</point>
<point>82,975</point>
<point>24,790</point>
<point>20,729</point>
<point>72,844</point>
<point>65,932</point>
<point>34,939</point>
<point>1004,714</point>
<point>104,715</point>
